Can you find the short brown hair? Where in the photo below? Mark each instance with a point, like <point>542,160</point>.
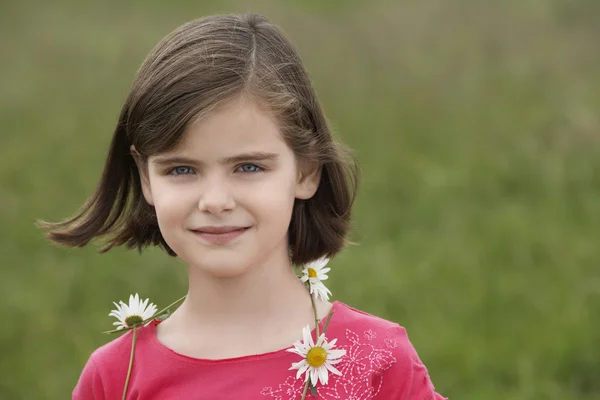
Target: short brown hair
<point>192,71</point>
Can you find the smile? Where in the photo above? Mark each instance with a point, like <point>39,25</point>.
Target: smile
<point>219,235</point>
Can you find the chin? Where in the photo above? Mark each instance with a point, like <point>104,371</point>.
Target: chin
<point>220,267</point>
<point>224,271</point>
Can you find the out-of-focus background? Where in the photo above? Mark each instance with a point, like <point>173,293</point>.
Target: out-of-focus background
<point>477,126</point>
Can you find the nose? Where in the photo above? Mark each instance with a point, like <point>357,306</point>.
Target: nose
<point>216,197</point>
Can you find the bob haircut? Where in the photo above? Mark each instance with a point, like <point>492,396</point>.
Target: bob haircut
<point>195,69</point>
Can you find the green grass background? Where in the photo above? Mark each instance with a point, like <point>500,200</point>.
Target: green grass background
<point>477,127</point>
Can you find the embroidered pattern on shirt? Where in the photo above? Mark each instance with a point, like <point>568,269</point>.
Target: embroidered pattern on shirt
<point>362,372</point>
<point>291,389</point>
<point>370,335</point>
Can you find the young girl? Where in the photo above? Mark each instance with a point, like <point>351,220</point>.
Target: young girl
<point>222,156</point>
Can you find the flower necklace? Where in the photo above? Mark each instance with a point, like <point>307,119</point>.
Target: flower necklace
<point>318,356</point>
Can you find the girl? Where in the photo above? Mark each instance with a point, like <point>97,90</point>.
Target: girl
<point>222,156</point>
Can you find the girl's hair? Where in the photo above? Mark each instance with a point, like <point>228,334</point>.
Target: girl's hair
<point>195,69</point>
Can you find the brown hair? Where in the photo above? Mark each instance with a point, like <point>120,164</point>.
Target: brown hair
<point>195,69</point>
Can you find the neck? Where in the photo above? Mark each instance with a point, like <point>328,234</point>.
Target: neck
<point>268,293</point>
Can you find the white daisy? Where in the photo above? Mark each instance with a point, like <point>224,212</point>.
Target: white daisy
<point>132,314</point>
<point>318,359</point>
<point>315,274</point>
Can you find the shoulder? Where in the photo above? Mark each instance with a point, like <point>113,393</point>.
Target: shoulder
<point>379,337</point>
<point>109,356</point>
<point>383,350</point>
<point>107,366</point>
<point>371,325</point>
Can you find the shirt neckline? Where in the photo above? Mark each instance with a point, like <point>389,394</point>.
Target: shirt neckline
<point>231,360</point>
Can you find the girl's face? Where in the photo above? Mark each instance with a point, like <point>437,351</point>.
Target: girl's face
<point>224,196</point>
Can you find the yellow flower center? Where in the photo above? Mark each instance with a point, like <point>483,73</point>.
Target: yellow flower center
<point>312,273</point>
<point>316,357</point>
<point>133,320</point>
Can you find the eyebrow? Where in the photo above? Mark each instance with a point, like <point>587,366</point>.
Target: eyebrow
<point>254,156</point>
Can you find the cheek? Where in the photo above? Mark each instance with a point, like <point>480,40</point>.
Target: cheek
<point>274,198</point>
<point>171,205</point>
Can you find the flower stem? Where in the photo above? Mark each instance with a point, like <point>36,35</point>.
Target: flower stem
<point>327,321</point>
<point>305,389</point>
<point>314,306</point>
<point>158,313</point>
<point>130,362</point>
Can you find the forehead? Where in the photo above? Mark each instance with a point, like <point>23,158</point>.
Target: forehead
<point>236,126</point>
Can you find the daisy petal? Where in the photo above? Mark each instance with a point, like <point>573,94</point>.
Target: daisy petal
<point>336,353</point>
<point>323,376</point>
<point>333,369</point>
<point>313,376</point>
<point>141,308</point>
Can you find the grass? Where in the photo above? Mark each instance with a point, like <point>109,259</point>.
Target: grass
<point>477,129</point>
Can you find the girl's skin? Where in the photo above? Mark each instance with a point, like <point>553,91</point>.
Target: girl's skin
<point>239,282</point>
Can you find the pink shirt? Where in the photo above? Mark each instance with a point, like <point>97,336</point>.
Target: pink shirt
<point>380,363</point>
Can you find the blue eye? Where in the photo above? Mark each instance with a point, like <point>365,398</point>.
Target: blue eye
<point>249,168</point>
<point>180,171</point>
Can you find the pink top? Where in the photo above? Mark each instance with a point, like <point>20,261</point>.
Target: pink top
<point>380,363</point>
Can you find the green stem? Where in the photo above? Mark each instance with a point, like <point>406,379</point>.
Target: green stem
<point>305,389</point>
<point>156,314</point>
<point>327,321</point>
<point>130,362</point>
<point>314,306</point>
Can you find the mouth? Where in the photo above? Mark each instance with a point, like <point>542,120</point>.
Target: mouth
<point>219,235</point>
<point>217,230</point>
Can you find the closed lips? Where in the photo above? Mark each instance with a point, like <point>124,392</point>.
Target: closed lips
<point>216,230</point>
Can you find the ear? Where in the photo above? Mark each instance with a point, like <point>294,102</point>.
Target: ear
<point>142,166</point>
<point>309,177</point>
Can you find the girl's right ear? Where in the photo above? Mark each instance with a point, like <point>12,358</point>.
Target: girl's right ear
<point>142,167</point>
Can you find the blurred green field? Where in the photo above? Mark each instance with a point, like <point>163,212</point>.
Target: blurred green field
<point>477,127</point>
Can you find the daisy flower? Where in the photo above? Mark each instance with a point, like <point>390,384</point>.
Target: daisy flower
<point>132,314</point>
<point>315,274</point>
<point>318,359</point>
